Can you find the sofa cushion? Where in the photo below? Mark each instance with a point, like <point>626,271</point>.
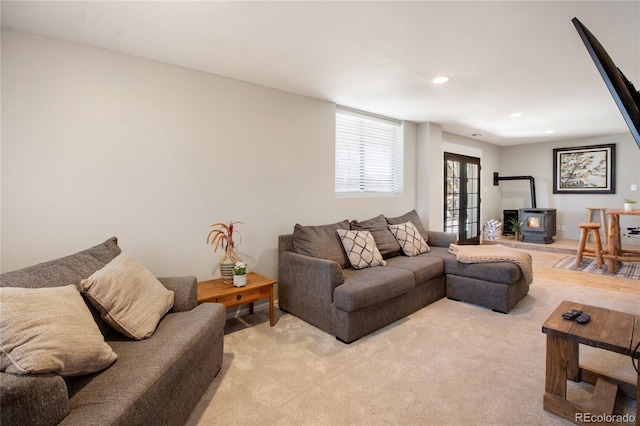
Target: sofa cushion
<point>424,267</point>
<point>168,371</point>
<point>33,399</point>
<point>409,239</point>
<point>385,241</point>
<point>129,297</point>
<point>47,330</point>
<point>361,249</point>
<point>321,242</point>
<point>367,287</point>
<point>412,217</point>
<point>66,270</point>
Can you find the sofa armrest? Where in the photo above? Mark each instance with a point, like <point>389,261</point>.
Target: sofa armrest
<point>34,399</point>
<point>306,285</point>
<point>441,239</point>
<point>185,290</point>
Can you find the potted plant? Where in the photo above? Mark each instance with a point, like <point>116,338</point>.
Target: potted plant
<point>629,204</point>
<point>222,236</point>
<point>515,224</point>
<point>239,274</point>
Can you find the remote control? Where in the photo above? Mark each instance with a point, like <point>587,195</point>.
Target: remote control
<point>569,315</point>
<point>583,318</point>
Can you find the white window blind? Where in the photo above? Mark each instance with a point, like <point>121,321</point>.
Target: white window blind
<point>368,154</point>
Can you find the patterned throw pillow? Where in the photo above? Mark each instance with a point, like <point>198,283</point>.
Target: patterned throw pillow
<point>409,238</point>
<point>361,249</point>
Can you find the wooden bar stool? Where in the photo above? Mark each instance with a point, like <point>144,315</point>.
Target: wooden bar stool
<point>597,252</point>
<point>603,220</point>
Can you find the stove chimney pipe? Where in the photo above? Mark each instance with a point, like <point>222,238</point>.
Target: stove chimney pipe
<point>532,184</point>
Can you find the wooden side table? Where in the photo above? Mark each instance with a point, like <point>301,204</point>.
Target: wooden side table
<point>258,287</point>
<point>609,330</point>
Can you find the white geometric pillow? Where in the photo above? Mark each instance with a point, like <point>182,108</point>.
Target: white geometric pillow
<point>128,296</point>
<point>361,249</point>
<point>50,329</point>
<point>409,239</point>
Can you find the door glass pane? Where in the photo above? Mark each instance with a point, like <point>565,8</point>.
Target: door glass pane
<point>471,223</point>
<point>472,199</point>
<point>472,186</point>
<point>452,196</point>
<point>472,227</point>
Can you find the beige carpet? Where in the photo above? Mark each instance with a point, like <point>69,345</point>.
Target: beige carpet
<point>450,363</point>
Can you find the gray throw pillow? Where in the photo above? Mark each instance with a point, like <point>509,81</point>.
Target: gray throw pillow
<point>413,217</point>
<point>385,241</point>
<point>321,242</point>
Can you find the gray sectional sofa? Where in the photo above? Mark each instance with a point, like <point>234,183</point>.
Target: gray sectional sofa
<point>154,381</point>
<point>317,283</point>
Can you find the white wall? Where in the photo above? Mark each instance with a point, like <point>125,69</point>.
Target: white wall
<point>97,144</point>
<point>537,160</point>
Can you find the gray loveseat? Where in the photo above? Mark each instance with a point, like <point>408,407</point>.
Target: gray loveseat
<point>158,380</point>
<point>317,283</point>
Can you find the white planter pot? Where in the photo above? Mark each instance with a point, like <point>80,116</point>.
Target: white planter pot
<point>628,207</point>
<point>239,280</point>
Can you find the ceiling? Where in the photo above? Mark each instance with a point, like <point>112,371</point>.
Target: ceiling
<point>501,57</point>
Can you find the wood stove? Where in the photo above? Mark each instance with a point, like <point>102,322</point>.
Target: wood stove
<point>538,225</point>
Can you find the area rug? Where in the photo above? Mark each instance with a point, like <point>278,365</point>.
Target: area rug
<point>626,270</point>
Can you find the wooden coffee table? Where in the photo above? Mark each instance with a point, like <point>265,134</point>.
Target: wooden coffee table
<point>258,287</point>
<point>610,330</point>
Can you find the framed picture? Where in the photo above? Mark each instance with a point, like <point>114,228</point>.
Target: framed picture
<point>585,170</point>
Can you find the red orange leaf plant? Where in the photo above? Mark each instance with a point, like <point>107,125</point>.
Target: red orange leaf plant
<point>222,235</point>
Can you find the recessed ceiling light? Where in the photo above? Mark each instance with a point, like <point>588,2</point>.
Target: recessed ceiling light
<point>516,115</point>
<point>440,80</point>
<point>549,131</point>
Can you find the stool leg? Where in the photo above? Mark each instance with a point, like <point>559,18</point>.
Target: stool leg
<point>614,228</point>
<point>598,247</point>
<point>589,219</point>
<point>583,241</point>
<point>603,219</point>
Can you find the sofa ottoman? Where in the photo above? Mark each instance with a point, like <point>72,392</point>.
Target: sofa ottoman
<point>495,285</point>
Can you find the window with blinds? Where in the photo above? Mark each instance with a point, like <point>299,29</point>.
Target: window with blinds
<point>368,154</point>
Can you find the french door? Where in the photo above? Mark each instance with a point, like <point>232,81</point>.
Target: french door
<point>462,197</point>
